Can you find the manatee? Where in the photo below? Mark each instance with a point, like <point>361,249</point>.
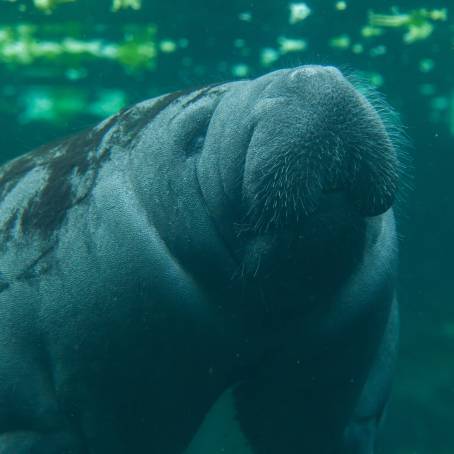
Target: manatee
<point>208,271</point>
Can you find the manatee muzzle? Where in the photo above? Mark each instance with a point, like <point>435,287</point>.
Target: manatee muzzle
<point>321,137</point>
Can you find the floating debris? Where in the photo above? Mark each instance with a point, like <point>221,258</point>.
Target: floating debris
<point>415,17</point>
<point>183,43</point>
<point>341,6</point>
<point>239,43</point>
<point>245,16</point>
<point>240,70</point>
<point>70,50</point>
<point>372,78</point>
<point>376,80</point>
<point>418,32</point>
<point>427,89</point>
<point>378,51</point>
<point>268,56</point>
<point>167,46</point>
<point>298,12</point>
<point>108,102</point>
<point>340,42</point>
<point>440,103</point>
<point>125,4</point>
<point>287,45</point>
<point>19,45</point>
<point>54,106</point>
<point>417,22</point>
<point>370,32</point>
<point>76,74</point>
<point>47,6</point>
<point>438,14</point>
<point>357,48</point>
<point>426,65</point>
<point>59,105</point>
<point>389,20</point>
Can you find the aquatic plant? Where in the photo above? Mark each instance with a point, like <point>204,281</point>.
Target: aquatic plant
<point>49,49</point>
<point>58,105</point>
<point>48,6</point>
<point>125,4</point>
<point>27,44</point>
<point>418,24</point>
<point>298,12</point>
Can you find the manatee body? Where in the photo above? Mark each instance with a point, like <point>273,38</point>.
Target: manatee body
<point>208,271</point>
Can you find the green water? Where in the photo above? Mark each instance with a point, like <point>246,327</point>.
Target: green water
<point>65,65</point>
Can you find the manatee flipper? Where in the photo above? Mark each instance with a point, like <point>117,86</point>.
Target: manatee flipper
<point>31,420</point>
<point>360,434</point>
<point>301,402</point>
<point>224,429</point>
<point>220,431</point>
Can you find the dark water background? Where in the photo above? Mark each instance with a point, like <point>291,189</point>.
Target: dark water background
<point>51,87</point>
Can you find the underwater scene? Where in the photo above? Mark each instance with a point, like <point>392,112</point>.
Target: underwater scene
<point>200,255</point>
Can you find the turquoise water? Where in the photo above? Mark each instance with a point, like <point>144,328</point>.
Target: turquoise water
<point>65,65</point>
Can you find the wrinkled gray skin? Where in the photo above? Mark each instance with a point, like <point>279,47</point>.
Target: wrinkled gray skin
<point>238,237</point>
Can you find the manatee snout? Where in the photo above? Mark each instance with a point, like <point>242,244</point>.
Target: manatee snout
<point>315,134</point>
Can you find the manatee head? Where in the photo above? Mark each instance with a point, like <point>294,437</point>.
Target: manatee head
<point>286,139</point>
<point>296,156</point>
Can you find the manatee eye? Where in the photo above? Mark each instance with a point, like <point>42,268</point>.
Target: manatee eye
<point>196,141</point>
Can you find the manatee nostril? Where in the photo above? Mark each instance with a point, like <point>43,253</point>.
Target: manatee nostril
<point>303,72</point>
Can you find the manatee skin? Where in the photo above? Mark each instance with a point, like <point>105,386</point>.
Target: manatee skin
<point>238,237</point>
